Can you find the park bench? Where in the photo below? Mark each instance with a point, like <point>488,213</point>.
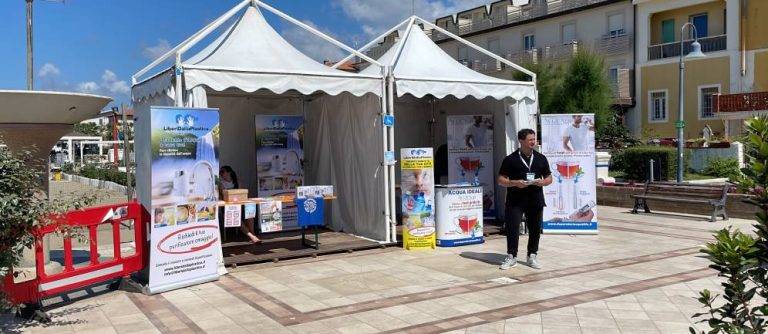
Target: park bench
<point>713,195</point>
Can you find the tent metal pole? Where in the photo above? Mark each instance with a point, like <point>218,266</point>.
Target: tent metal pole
<point>188,40</point>
<point>179,72</point>
<point>315,32</point>
<point>400,47</point>
<point>371,43</point>
<point>385,168</point>
<point>391,138</point>
<point>479,49</point>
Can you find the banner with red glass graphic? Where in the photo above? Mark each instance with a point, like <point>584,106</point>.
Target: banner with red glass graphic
<point>470,156</point>
<point>568,142</point>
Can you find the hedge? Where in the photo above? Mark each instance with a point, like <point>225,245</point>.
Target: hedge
<point>106,173</point>
<point>634,161</point>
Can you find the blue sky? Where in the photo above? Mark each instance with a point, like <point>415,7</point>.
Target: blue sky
<point>95,46</point>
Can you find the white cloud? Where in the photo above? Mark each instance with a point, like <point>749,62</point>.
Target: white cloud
<point>48,69</point>
<point>377,16</point>
<point>155,51</point>
<point>88,87</point>
<point>110,83</point>
<point>313,46</point>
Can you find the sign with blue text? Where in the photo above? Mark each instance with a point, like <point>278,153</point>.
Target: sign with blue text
<point>185,241</point>
<point>569,145</point>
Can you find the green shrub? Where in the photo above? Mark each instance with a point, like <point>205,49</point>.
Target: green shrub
<point>110,173</point>
<point>634,161</point>
<point>741,259</point>
<point>722,167</point>
<point>24,208</point>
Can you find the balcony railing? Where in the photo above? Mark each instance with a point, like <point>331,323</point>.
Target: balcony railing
<point>561,52</point>
<point>613,44</point>
<point>741,102</point>
<point>622,88</point>
<point>515,14</point>
<point>708,44</point>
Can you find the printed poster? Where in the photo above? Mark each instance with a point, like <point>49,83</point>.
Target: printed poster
<point>185,242</point>
<point>470,156</point>
<point>280,160</point>
<point>568,142</point>
<point>459,216</point>
<point>232,216</point>
<point>270,216</point>
<point>249,210</point>
<point>418,187</point>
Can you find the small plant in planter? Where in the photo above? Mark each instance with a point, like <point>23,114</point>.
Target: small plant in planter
<point>719,144</point>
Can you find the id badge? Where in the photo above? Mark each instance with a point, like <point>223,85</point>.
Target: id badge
<point>530,177</point>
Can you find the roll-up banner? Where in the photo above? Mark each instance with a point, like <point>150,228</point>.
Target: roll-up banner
<point>470,156</point>
<point>568,142</point>
<point>185,241</point>
<point>418,188</point>
<point>280,160</point>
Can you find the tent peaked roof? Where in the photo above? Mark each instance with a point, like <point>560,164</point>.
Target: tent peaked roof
<point>250,55</point>
<point>250,43</point>
<point>424,68</point>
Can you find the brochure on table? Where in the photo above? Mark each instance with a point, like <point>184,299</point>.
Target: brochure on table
<point>569,145</point>
<point>418,187</point>
<point>459,215</point>
<point>185,241</point>
<point>470,155</point>
<point>279,160</point>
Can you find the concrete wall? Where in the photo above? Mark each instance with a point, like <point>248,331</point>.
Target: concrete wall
<point>619,197</point>
<point>715,20</point>
<point>666,76</point>
<point>590,25</point>
<point>761,70</point>
<point>700,156</point>
<point>756,25</point>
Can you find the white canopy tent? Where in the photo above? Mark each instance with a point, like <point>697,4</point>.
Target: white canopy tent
<point>418,68</point>
<point>250,69</point>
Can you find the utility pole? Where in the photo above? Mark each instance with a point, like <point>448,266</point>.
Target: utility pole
<point>126,154</point>
<point>30,65</point>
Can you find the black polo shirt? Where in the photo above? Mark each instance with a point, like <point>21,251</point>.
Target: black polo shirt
<point>514,168</point>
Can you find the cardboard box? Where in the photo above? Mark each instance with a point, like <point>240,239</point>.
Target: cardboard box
<point>235,195</point>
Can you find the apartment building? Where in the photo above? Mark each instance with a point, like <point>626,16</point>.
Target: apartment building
<point>734,39</point>
<point>546,31</point>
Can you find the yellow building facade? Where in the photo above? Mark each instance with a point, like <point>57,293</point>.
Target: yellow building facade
<point>733,35</point>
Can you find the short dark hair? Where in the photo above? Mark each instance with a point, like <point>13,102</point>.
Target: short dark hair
<point>524,133</point>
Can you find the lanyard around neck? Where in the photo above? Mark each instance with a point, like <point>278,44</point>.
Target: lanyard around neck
<point>527,164</point>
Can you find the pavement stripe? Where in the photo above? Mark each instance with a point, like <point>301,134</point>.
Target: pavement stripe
<point>675,227</point>
<point>474,287</point>
<point>260,300</point>
<point>159,311</point>
<point>485,317</point>
<point>663,234</point>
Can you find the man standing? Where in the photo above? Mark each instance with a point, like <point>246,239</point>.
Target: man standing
<point>578,134</point>
<point>524,173</point>
<point>475,136</point>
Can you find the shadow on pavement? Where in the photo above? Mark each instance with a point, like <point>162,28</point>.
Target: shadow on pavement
<point>489,258</point>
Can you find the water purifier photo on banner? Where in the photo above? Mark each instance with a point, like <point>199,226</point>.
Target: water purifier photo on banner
<point>470,156</point>
<point>418,189</point>
<point>185,242</point>
<point>568,141</point>
<point>279,160</point>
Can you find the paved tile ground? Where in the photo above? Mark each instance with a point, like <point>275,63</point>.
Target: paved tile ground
<point>641,274</point>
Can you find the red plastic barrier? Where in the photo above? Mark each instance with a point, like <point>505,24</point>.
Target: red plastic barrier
<point>70,278</point>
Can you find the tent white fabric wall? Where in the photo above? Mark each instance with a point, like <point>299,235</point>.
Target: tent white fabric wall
<point>250,69</point>
<point>420,69</point>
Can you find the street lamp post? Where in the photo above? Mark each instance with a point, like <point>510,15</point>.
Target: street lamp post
<point>695,53</point>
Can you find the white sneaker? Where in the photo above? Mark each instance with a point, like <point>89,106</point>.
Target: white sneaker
<point>509,262</point>
<point>532,262</point>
